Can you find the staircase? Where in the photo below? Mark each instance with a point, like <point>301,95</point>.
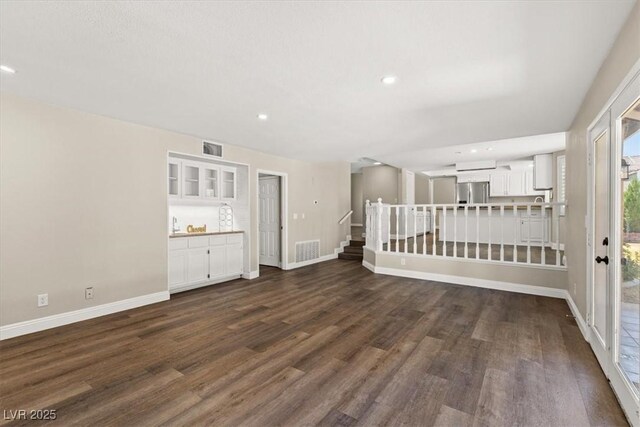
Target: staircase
<point>353,252</point>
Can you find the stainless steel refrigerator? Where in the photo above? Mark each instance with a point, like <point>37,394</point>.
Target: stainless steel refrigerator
<point>472,193</point>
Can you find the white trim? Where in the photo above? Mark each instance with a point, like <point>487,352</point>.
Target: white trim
<point>53,321</point>
<point>472,281</point>
<point>582,325</point>
<point>369,266</point>
<point>473,260</point>
<point>251,275</point>
<point>356,224</point>
<point>621,87</point>
<point>190,286</point>
<point>342,245</point>
<point>294,265</point>
<point>284,214</point>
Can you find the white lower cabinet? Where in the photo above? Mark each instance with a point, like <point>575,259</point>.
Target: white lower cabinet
<point>202,260</point>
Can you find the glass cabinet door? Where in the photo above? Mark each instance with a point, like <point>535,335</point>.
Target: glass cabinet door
<point>174,179</point>
<point>191,180</point>
<point>228,184</point>
<point>211,181</point>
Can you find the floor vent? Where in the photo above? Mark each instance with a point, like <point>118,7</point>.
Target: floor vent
<point>307,250</point>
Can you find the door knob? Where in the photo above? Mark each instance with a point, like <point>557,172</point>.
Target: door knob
<point>605,242</point>
<point>605,259</point>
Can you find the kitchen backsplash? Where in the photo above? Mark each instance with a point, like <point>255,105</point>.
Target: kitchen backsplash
<point>199,216</point>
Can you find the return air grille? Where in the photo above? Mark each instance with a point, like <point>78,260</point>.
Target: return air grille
<point>307,250</point>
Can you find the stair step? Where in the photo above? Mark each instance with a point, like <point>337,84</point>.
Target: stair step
<point>353,249</point>
<point>350,257</point>
<point>356,243</point>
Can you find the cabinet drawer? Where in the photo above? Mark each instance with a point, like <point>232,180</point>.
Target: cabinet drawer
<point>198,242</point>
<point>218,240</point>
<point>177,244</point>
<point>234,238</point>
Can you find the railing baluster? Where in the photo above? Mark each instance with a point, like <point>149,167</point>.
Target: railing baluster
<point>515,233</point>
<point>529,234</point>
<point>415,232</point>
<point>489,248</point>
<point>444,231</point>
<point>455,231</point>
<point>389,228</point>
<point>477,232</point>
<point>397,228</point>
<point>501,233</point>
<point>406,229</point>
<point>556,215</point>
<point>379,225</point>
<point>466,231</point>
<point>543,247</point>
<point>424,230</point>
<point>434,237</point>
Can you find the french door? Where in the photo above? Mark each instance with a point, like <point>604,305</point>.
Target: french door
<point>614,246</point>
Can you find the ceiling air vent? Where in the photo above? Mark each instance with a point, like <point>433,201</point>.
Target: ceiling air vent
<point>213,149</point>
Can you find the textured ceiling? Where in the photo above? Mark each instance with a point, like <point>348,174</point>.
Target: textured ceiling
<point>467,71</point>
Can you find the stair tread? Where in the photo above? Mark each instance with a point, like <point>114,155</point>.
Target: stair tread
<point>350,256</point>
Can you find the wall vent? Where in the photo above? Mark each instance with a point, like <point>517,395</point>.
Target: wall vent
<point>307,250</point>
<point>213,149</point>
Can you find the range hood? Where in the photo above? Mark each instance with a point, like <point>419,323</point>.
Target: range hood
<point>476,166</point>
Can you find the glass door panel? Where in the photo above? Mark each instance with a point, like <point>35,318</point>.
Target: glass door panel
<point>174,179</point>
<point>629,280</point>
<point>191,181</point>
<point>211,188</point>
<point>228,184</point>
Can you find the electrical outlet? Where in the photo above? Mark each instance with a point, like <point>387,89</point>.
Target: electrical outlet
<point>403,261</point>
<point>303,216</point>
<point>43,300</point>
<point>295,215</point>
<point>88,293</point>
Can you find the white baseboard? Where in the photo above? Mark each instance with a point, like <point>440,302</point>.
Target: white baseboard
<point>342,245</point>
<point>251,275</point>
<point>294,265</point>
<point>191,286</point>
<point>584,328</point>
<point>470,281</point>
<point>53,321</point>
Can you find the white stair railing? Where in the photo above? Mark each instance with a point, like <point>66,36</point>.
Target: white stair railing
<point>520,233</point>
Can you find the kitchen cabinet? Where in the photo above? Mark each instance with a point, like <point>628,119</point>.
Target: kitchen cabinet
<point>498,184</point>
<point>196,261</point>
<point>191,180</point>
<point>173,174</point>
<point>512,184</point>
<point>203,181</point>
<point>228,190</point>
<point>543,172</point>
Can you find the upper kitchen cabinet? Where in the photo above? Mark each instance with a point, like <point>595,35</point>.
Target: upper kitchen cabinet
<point>173,174</point>
<point>512,184</point>
<point>211,182</point>
<point>498,184</point>
<point>228,190</point>
<point>192,180</point>
<point>543,172</point>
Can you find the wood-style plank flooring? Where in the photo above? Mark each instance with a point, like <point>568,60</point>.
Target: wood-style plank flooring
<point>328,344</point>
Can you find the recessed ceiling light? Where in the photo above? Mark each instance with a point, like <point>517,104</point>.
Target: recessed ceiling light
<point>262,116</point>
<point>377,163</point>
<point>6,69</point>
<point>474,150</point>
<point>389,80</point>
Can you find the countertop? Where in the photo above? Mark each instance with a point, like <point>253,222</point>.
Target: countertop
<point>211,233</point>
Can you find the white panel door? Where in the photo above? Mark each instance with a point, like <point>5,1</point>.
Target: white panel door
<point>516,184</point>
<point>217,261</point>
<point>233,259</point>
<point>177,268</point>
<point>198,265</point>
<point>269,220</point>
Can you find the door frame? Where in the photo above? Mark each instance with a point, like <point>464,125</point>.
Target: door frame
<point>626,393</point>
<point>284,215</point>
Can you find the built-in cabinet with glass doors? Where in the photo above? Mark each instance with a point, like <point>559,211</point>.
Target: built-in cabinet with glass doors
<point>192,180</point>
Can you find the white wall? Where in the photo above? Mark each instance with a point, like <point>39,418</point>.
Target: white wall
<point>623,55</point>
<point>83,203</point>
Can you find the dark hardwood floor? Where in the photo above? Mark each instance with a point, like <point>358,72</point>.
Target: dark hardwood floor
<point>329,344</point>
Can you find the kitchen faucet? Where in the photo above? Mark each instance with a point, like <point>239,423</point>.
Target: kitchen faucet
<point>174,227</point>
<point>538,201</point>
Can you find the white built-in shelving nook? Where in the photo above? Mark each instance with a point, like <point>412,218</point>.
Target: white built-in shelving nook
<point>206,193</point>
